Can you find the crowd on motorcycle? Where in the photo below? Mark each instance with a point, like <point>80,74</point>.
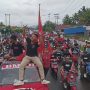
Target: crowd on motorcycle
<point>59,53</point>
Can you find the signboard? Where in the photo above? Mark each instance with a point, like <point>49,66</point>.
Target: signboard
<point>14,66</point>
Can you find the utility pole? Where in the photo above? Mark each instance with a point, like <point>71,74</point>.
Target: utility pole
<point>7,22</point>
<point>56,18</point>
<point>56,15</point>
<point>7,19</point>
<point>49,16</point>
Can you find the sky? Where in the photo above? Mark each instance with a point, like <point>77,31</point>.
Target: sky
<point>25,12</point>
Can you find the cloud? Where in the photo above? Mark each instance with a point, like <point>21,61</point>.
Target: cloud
<point>26,11</point>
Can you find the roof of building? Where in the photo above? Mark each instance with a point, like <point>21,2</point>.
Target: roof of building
<point>74,30</point>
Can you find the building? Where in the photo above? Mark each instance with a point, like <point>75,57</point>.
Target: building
<point>87,30</point>
<point>61,27</point>
<point>75,30</point>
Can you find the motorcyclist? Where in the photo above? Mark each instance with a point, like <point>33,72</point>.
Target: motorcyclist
<point>46,56</point>
<point>66,67</point>
<point>75,43</point>
<point>59,53</point>
<point>85,59</point>
<point>68,40</point>
<point>75,50</point>
<point>67,63</point>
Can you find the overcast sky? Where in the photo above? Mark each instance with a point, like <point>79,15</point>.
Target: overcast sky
<point>26,11</point>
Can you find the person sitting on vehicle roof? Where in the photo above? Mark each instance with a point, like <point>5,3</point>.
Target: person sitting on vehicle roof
<point>16,49</point>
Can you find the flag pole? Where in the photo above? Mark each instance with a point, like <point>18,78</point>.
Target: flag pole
<point>39,7</point>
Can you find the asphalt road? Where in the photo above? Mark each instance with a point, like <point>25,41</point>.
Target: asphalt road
<point>80,42</point>
<point>57,84</point>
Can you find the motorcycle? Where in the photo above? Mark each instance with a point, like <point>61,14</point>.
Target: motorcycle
<point>74,58</point>
<point>88,70</point>
<point>54,66</point>
<point>85,67</point>
<point>69,78</point>
<point>59,55</point>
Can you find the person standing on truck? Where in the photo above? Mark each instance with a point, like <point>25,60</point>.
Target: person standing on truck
<point>31,55</point>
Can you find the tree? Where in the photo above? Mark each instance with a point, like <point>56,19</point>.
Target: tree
<point>82,17</point>
<point>67,20</point>
<point>49,26</point>
<point>1,24</point>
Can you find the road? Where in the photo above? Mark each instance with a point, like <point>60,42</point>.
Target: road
<point>80,42</point>
<point>57,84</point>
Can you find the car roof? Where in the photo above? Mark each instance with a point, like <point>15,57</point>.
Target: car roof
<point>9,74</point>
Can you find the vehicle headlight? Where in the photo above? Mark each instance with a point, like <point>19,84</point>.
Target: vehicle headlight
<point>71,76</point>
<point>85,58</point>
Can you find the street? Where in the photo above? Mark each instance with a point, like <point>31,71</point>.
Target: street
<point>57,84</point>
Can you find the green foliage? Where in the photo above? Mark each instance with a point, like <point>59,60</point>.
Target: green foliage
<point>1,24</point>
<point>67,20</point>
<point>18,30</point>
<point>5,30</point>
<point>49,26</point>
<point>82,17</point>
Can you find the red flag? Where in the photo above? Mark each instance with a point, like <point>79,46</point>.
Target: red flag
<point>40,29</point>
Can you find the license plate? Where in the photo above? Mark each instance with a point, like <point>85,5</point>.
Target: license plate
<point>54,62</point>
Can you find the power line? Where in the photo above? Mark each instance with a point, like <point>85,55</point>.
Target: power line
<point>69,6</point>
<point>76,4</point>
<point>56,15</point>
<point>79,5</point>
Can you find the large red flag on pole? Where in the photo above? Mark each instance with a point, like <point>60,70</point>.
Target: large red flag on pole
<point>40,29</point>
<point>41,34</point>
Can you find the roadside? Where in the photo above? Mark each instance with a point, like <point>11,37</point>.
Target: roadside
<point>78,37</point>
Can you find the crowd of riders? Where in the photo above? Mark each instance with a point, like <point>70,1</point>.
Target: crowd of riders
<point>62,49</point>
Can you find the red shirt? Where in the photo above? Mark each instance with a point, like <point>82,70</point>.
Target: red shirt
<point>46,59</point>
<point>60,39</point>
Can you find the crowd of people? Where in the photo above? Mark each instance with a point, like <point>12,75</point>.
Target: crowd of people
<point>30,51</point>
